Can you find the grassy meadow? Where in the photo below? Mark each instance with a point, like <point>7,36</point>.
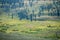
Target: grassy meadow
<point>28,30</point>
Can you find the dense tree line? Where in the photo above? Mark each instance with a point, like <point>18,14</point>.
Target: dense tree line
<point>52,9</point>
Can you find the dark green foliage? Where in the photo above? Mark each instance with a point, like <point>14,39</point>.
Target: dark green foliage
<point>15,30</point>
<point>49,26</point>
<point>3,28</point>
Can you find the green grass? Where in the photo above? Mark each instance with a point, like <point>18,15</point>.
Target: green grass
<point>46,29</point>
